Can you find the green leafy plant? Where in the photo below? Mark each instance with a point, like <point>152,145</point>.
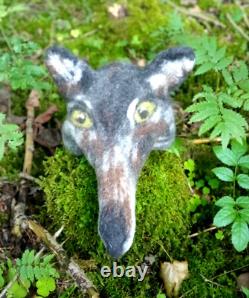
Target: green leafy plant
<point>161,295</point>
<point>200,187</point>
<point>17,69</point>
<point>237,91</point>
<point>245,291</point>
<point>10,9</point>
<point>234,209</point>
<point>29,270</point>
<point>209,56</point>
<point>218,118</point>
<point>215,106</point>
<point>9,136</point>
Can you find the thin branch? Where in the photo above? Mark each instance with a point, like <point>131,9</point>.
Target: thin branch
<point>242,8</point>
<point>29,177</point>
<point>18,208</point>
<point>204,231</point>
<point>204,17</point>
<point>230,271</point>
<point>188,292</point>
<point>211,282</point>
<point>71,266</point>
<point>8,286</point>
<point>170,258</point>
<point>205,141</point>
<point>18,216</point>
<point>31,104</point>
<point>237,27</point>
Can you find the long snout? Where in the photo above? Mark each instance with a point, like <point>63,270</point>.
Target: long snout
<point>116,187</point>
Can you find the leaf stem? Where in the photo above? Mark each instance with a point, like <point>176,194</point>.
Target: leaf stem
<point>217,81</point>
<point>237,27</point>
<point>6,39</point>
<point>199,15</point>
<point>234,181</point>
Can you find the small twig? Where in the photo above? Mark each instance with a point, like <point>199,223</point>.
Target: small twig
<point>89,33</point>
<point>230,271</point>
<point>198,15</point>
<point>190,188</point>
<point>18,208</point>
<point>242,8</point>
<point>205,141</point>
<point>245,18</point>
<point>171,260</point>
<point>188,292</point>
<point>71,265</point>
<point>31,104</point>
<point>29,177</point>
<point>204,231</point>
<point>18,216</point>
<point>3,293</point>
<point>8,286</point>
<point>210,281</point>
<point>237,27</point>
<point>58,233</point>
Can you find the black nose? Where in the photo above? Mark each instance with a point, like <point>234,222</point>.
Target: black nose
<point>113,230</point>
<point>114,252</point>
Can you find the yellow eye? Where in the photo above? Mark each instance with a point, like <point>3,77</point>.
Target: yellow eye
<point>144,111</point>
<point>81,119</point>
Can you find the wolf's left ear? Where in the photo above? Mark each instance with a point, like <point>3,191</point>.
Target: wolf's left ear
<point>70,74</point>
<point>169,69</point>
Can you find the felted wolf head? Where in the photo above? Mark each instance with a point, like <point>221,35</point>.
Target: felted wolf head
<point>115,116</point>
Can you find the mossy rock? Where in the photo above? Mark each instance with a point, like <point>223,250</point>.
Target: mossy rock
<point>163,223</point>
<point>163,219</point>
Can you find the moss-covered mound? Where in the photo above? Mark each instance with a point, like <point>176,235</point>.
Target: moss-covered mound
<point>162,197</point>
<point>163,223</point>
<point>161,210</point>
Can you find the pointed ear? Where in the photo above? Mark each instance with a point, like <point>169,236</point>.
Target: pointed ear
<point>169,69</point>
<point>70,74</point>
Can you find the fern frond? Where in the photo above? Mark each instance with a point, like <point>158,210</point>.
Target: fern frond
<point>217,130</point>
<point>232,116</point>
<point>204,114</point>
<point>209,123</point>
<point>31,266</point>
<point>201,106</point>
<point>230,100</point>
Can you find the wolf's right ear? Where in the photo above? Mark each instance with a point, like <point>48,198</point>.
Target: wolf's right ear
<point>70,74</point>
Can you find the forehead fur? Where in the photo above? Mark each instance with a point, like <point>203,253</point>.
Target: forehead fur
<point>113,89</point>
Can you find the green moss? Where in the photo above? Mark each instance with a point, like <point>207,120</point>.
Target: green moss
<point>162,216</point>
<point>163,223</point>
<point>11,164</point>
<point>3,218</point>
<point>212,263</point>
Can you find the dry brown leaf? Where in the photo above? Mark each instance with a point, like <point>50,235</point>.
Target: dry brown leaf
<point>117,11</point>
<point>173,275</point>
<point>47,115</point>
<point>243,280</point>
<point>48,137</point>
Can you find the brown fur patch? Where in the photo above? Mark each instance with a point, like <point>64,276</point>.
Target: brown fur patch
<point>110,182</point>
<point>151,128</point>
